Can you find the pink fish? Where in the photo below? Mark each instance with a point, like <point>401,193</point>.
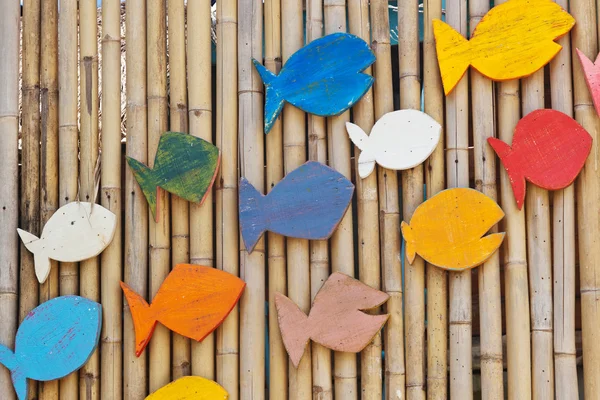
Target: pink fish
<point>592,77</point>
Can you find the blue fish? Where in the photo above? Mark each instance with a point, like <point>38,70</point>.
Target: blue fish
<point>307,204</point>
<point>323,78</point>
<point>55,339</point>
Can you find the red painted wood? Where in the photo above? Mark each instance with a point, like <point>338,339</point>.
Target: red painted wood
<point>592,77</point>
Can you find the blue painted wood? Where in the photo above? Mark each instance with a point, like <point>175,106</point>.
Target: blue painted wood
<point>308,204</point>
<point>323,78</point>
<point>55,339</point>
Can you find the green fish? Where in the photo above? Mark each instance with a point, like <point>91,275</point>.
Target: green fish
<point>184,165</point>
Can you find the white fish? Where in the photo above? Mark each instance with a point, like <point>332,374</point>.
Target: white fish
<point>74,233</point>
<point>399,140</point>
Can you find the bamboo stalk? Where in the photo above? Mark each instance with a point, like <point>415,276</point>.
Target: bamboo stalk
<point>584,38</point>
<point>9,196</point>
<point>457,175</point>
<point>200,125</point>
<point>389,210</point>
<point>89,285</point>
<point>49,151</point>
<point>437,278</point>
<point>180,223</point>
<point>226,188</point>
<point>490,308</point>
<point>68,149</point>
<point>322,381</point>
<point>159,238</point>
<point>563,238</point>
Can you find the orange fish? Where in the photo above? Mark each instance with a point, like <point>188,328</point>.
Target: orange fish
<point>335,320</point>
<point>193,301</point>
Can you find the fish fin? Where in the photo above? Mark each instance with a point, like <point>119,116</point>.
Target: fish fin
<point>273,102</point>
<point>19,382</point>
<point>515,175</point>
<point>41,260</point>
<point>251,224</point>
<point>366,160</point>
<point>145,178</point>
<point>447,40</point>
<point>411,250</point>
<point>293,326</point>
<point>143,320</point>
<point>8,358</point>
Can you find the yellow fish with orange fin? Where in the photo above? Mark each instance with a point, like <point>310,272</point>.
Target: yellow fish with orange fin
<point>512,40</point>
<point>190,388</point>
<point>447,229</point>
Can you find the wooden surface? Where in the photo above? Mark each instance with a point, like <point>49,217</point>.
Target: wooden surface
<point>513,40</point>
<point>55,339</point>
<point>76,232</point>
<point>447,229</point>
<point>184,165</point>
<point>335,319</point>
<point>322,78</point>
<point>592,77</point>
<point>549,149</point>
<point>193,301</point>
<point>307,204</point>
<point>399,140</point>
<point>190,388</point>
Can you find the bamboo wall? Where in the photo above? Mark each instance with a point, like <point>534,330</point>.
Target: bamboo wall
<point>520,326</point>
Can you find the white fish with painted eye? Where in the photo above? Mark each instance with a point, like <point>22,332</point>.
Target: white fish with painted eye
<point>399,140</point>
<point>77,231</point>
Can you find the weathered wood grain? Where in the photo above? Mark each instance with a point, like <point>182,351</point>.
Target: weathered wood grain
<point>193,301</point>
<point>591,72</point>
<point>513,40</point>
<point>549,149</point>
<point>447,229</point>
<point>335,319</point>
<point>323,78</point>
<point>190,388</point>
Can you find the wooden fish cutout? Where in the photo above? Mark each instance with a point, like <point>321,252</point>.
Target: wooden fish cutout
<point>192,301</point>
<point>447,229</point>
<point>55,339</point>
<point>184,165</point>
<point>323,78</point>
<point>549,149</point>
<point>308,203</point>
<point>513,40</point>
<point>77,231</point>
<point>335,319</point>
<point>592,77</point>
<point>399,140</point>
<point>190,388</point>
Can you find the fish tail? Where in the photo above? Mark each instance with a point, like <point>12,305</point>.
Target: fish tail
<point>19,381</point>
<point>293,326</point>
<point>409,238</point>
<point>449,43</point>
<point>515,174</point>
<point>145,178</point>
<point>250,201</point>
<point>8,358</point>
<point>143,320</point>
<point>274,101</point>
<point>40,258</point>
<point>366,160</point>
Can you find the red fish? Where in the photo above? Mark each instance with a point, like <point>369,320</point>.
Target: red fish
<point>549,150</point>
<point>193,301</point>
<point>592,77</point>
<point>335,320</point>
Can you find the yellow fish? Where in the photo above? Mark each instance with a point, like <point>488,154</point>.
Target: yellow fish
<point>447,229</point>
<point>511,41</point>
<point>190,388</point>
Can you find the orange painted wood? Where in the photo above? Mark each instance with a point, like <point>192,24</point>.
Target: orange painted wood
<point>335,319</point>
<point>193,301</point>
<point>592,77</point>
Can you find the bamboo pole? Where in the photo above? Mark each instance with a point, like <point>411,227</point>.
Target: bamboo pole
<point>180,222</point>
<point>412,196</point>
<point>563,238</point>
<point>200,125</point>
<point>68,149</point>
<point>369,265</point>
<point>226,188</point>
<point>89,284</point>
<point>49,151</point>
<point>457,175</point>
<point>9,218</point>
<point>437,278</point>
<point>278,358</point>
<point>389,210</point>
<point>490,308</point>
<point>294,155</point>
<point>322,381</point>
<point>584,38</point>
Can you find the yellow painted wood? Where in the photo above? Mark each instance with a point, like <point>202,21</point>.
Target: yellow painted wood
<point>190,388</point>
<point>513,40</point>
<point>447,229</point>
